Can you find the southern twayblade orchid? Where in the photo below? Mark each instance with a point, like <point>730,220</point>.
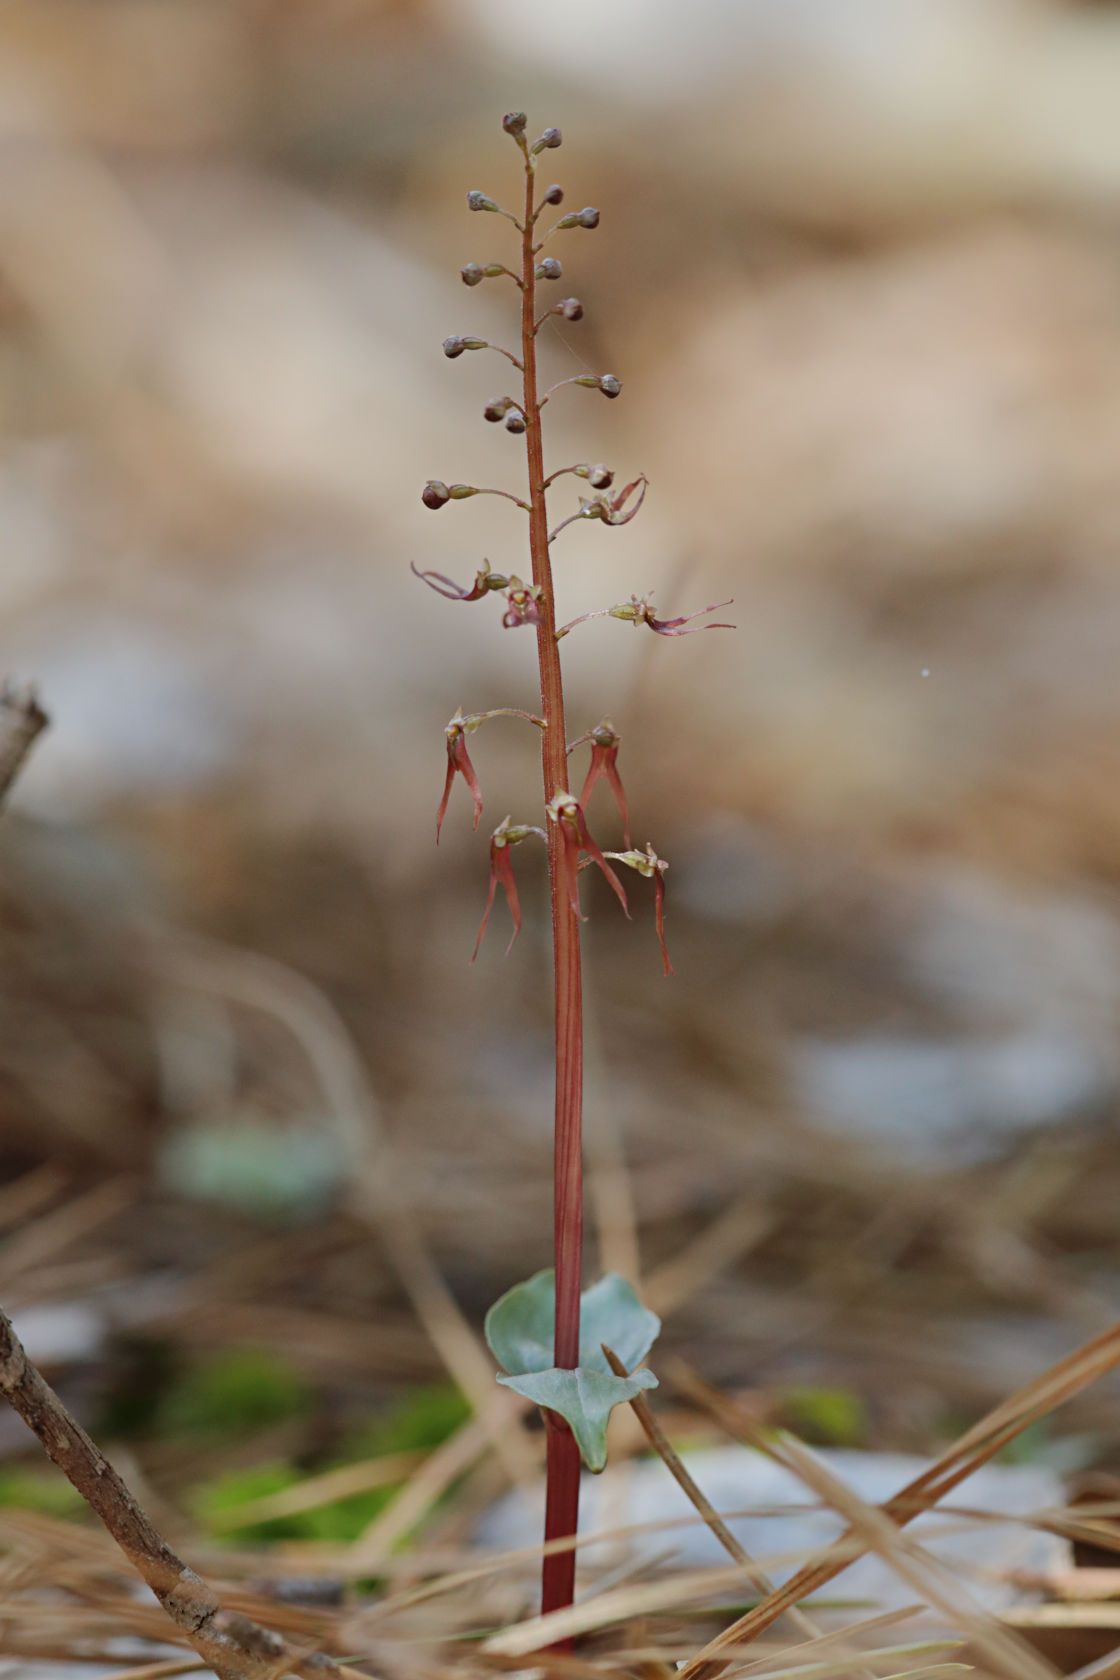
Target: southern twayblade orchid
<point>459,759</point>
<point>648,863</point>
<point>611,510</point>
<point>564,810</point>
<point>522,604</point>
<point>506,834</point>
<point>604,762</point>
<point>485,581</point>
<point>572,1374</point>
<point>639,610</point>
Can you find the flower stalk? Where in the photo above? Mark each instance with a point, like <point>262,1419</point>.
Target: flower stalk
<point>563,1469</point>
<point>541,1319</point>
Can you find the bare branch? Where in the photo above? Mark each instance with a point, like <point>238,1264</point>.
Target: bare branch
<point>234,1646</point>
<point>22,719</point>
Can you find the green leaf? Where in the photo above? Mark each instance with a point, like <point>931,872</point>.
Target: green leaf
<point>521,1325</point>
<point>520,1328</point>
<point>585,1399</point>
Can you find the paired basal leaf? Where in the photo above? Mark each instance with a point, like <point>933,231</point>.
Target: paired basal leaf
<point>585,1399</point>
<point>521,1326</point>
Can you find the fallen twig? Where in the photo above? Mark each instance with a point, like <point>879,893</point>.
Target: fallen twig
<point>233,1645</point>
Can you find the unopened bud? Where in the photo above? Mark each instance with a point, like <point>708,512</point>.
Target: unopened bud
<point>549,269</point>
<point>570,308</point>
<point>554,195</point>
<point>455,346</point>
<point>600,477</point>
<point>435,494</point>
<point>514,123</point>
<point>586,217</point>
<point>460,492</point>
<point>479,201</point>
<point>609,385</point>
<point>550,139</point>
<point>515,422</point>
<point>471,274</point>
<point>497,408</point>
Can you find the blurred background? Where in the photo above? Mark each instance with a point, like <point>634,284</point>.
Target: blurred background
<point>859,270</point>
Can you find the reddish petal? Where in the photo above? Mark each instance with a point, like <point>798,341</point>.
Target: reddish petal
<point>659,918</point>
<point>502,865</point>
<point>596,856</point>
<point>619,501</point>
<point>486,912</point>
<point>453,591</point>
<point>613,777</point>
<point>604,763</point>
<point>570,842</point>
<point>594,770</point>
<point>442,812</point>
<point>461,761</point>
<point>675,626</point>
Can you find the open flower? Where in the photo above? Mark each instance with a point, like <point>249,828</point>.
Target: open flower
<point>459,760</point>
<point>523,604</point>
<point>564,810</point>
<point>639,610</point>
<point>506,834</point>
<point>611,510</point>
<point>604,757</point>
<point>648,863</point>
<point>484,581</point>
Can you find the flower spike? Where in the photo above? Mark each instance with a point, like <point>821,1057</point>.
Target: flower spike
<point>564,809</point>
<point>506,834</point>
<point>458,759</point>
<point>604,762</point>
<point>648,863</point>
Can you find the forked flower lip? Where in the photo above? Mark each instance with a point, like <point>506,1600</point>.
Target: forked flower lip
<point>507,834</point>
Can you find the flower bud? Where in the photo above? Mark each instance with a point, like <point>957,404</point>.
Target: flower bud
<point>515,422</point>
<point>453,347</point>
<point>435,494</point>
<point>471,274</point>
<point>570,308</point>
<point>460,492</point>
<point>549,269</point>
<point>497,408</point>
<point>588,217</point>
<point>479,201</point>
<point>514,123</point>
<point>550,139</point>
<point>609,385</point>
<point>600,477</point>
<point>554,195</point>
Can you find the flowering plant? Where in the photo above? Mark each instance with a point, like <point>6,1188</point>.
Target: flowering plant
<point>549,1335</point>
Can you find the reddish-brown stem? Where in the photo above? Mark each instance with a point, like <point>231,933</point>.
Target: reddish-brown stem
<point>562,1515</point>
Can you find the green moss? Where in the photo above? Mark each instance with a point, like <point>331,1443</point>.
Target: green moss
<point>827,1417</point>
<point>423,1417</point>
<point>421,1420</point>
<point>40,1488</point>
<point>232,1395</point>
